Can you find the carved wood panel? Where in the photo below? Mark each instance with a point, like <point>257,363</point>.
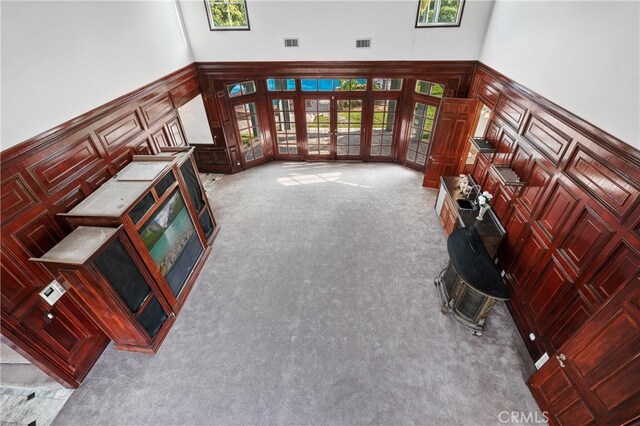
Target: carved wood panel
<point>549,140</point>
<point>157,109</point>
<point>61,163</point>
<point>487,94</point>
<point>546,291</point>
<point>560,204</point>
<point>480,169</point>
<point>585,239</point>
<point>536,183</point>
<point>621,268</point>
<point>564,320</point>
<point>115,134</point>
<point>16,195</point>
<point>610,185</point>
<point>511,111</point>
<point>527,257</point>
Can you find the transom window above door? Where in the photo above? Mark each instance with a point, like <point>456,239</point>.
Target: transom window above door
<point>382,84</point>
<point>240,89</point>
<point>227,14</point>
<point>333,85</point>
<point>428,88</point>
<point>439,13</point>
<point>281,84</point>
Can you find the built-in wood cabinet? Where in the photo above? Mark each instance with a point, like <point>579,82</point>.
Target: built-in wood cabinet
<point>114,287</point>
<point>139,244</point>
<point>593,377</point>
<point>52,173</point>
<point>452,216</point>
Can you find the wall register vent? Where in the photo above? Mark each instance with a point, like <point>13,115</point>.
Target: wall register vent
<point>290,42</point>
<point>363,42</point>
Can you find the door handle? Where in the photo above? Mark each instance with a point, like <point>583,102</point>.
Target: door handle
<point>561,358</point>
<point>431,158</point>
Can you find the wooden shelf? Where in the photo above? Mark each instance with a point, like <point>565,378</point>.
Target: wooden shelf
<point>483,145</point>
<point>506,175</point>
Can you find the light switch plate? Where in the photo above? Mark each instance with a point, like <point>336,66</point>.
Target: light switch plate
<point>53,292</point>
<point>542,360</point>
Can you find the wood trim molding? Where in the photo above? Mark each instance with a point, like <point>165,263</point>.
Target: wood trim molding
<point>579,205</point>
<point>170,83</point>
<point>577,123</point>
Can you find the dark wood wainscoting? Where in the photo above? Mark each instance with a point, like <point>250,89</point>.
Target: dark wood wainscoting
<point>50,174</point>
<point>214,77</point>
<point>574,228</point>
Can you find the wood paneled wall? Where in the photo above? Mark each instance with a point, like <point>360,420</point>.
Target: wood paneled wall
<point>51,173</point>
<point>223,155</point>
<point>573,231</point>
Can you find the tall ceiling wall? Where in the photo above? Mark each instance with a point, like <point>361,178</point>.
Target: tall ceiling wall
<point>582,55</point>
<point>327,30</point>
<point>62,59</point>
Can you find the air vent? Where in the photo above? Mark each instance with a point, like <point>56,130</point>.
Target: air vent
<point>363,42</point>
<point>290,42</point>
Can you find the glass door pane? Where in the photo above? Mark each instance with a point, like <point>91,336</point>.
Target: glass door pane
<point>384,114</point>
<point>285,129</point>
<point>349,127</point>
<point>249,129</point>
<point>318,118</point>
<point>421,129</point>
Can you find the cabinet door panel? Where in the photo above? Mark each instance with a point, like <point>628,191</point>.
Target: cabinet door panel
<point>565,320</point>
<point>63,329</point>
<point>480,169</point>
<point>523,266</point>
<point>546,291</point>
<point>514,226</point>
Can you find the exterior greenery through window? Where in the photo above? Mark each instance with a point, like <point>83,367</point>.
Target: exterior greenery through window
<point>429,88</point>
<point>349,128</point>
<point>421,128</point>
<point>380,84</point>
<point>439,13</point>
<point>249,129</point>
<point>228,14</point>
<point>283,113</point>
<point>383,117</point>
<point>331,85</point>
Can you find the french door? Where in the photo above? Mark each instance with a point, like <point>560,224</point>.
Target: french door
<point>382,129</point>
<point>333,128</point>
<point>250,134</point>
<point>320,126</point>
<point>421,129</point>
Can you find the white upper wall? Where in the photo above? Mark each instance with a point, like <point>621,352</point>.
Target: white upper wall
<point>62,59</point>
<point>327,31</point>
<point>582,55</point>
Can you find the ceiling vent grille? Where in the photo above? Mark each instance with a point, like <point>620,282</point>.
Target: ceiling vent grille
<point>363,42</point>
<point>290,42</point>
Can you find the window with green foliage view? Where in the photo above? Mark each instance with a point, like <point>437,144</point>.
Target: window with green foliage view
<point>228,14</point>
<point>439,13</point>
